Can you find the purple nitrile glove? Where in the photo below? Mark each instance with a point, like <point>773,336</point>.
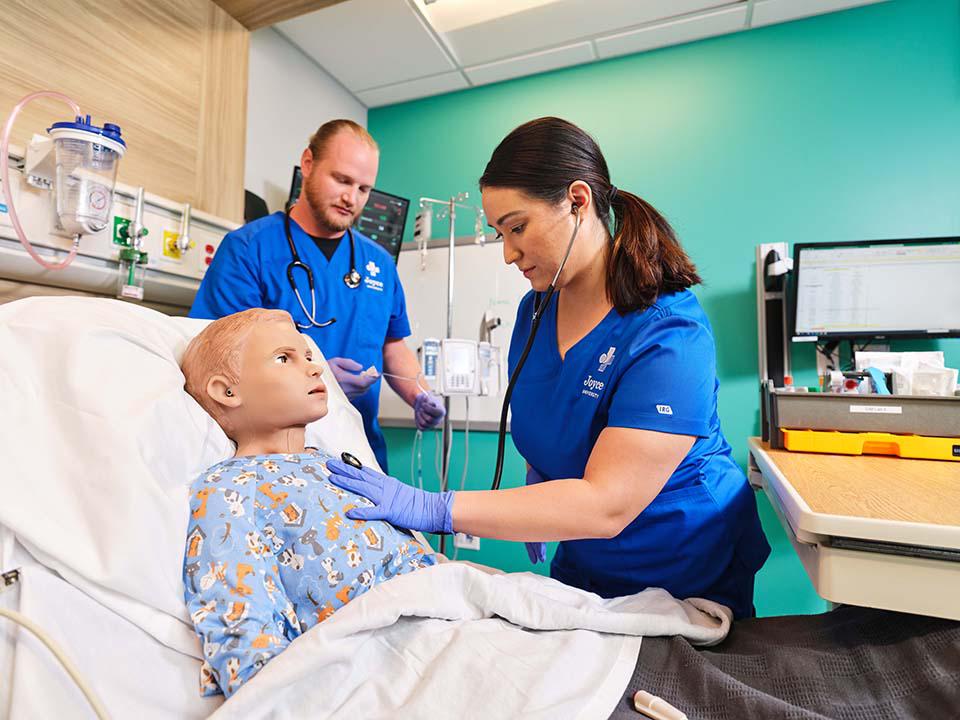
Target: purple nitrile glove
<point>394,501</point>
<point>537,551</point>
<point>346,371</point>
<point>428,410</point>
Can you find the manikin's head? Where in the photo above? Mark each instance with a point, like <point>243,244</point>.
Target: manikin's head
<point>254,374</point>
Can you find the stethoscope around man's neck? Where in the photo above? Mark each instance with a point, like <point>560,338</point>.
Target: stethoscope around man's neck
<point>351,279</point>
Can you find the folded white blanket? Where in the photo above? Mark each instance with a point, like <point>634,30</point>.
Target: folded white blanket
<point>453,641</point>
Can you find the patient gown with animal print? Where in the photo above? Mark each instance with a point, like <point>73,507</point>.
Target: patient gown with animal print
<point>270,553</point>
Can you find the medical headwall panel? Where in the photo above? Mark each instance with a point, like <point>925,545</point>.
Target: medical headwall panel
<point>171,279</point>
<point>482,283</point>
<point>171,73</point>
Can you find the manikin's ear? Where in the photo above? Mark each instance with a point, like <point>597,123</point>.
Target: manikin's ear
<point>220,389</point>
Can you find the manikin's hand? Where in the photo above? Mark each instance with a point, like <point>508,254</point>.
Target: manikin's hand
<point>537,551</point>
<point>346,371</point>
<point>394,501</point>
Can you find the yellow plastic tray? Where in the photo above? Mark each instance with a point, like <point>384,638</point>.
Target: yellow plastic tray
<point>872,443</point>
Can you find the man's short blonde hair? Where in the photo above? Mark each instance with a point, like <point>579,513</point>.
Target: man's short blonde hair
<point>217,350</point>
<point>323,135</point>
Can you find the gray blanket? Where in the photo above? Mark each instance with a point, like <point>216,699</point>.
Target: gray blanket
<point>848,664</point>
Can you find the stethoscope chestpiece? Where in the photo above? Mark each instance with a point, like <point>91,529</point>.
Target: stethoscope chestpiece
<point>350,460</point>
<point>352,279</point>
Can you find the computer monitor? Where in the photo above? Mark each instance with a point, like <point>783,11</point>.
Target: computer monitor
<point>880,288</point>
<point>382,219</point>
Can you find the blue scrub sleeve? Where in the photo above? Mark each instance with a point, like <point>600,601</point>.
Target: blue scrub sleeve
<point>670,383</point>
<point>399,325</point>
<point>231,283</point>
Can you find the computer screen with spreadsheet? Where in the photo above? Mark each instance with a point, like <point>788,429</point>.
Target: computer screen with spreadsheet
<point>876,289</point>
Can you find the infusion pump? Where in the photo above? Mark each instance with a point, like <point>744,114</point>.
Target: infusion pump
<point>461,367</point>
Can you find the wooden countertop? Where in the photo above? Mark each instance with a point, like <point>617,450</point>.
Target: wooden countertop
<point>872,486</point>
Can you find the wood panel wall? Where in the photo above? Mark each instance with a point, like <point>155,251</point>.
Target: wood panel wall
<point>171,73</point>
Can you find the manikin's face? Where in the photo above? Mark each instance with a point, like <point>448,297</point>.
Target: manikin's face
<point>280,385</point>
<point>337,184</point>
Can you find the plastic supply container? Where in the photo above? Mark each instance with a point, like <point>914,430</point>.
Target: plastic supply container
<point>87,158</point>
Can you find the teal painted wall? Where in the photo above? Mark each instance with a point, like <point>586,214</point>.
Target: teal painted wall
<point>840,127</point>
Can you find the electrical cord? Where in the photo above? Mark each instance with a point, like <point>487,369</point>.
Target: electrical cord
<point>52,646</point>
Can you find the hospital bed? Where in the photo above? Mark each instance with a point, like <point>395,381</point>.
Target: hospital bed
<point>99,443</point>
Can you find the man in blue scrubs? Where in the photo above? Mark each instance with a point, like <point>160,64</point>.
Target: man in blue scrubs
<point>355,280</point>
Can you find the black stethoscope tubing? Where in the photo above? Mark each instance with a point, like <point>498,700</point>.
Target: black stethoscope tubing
<point>540,306</point>
<point>351,279</point>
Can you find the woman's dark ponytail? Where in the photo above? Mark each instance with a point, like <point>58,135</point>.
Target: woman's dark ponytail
<point>543,157</point>
<point>646,258</point>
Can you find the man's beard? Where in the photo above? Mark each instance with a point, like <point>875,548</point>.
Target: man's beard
<point>327,218</point>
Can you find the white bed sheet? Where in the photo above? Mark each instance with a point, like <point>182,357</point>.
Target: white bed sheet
<point>453,641</point>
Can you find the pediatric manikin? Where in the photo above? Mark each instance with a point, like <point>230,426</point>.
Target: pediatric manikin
<point>270,551</point>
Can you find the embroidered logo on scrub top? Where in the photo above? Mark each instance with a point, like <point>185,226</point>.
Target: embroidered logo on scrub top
<point>370,281</point>
<point>606,359</point>
<point>664,409</point>
<point>592,387</point>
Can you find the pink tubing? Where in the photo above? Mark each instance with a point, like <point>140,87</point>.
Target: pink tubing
<point>5,172</point>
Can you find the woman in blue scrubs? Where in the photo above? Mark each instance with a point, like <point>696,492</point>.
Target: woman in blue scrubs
<point>615,411</point>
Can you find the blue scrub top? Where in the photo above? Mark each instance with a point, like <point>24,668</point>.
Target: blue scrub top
<point>653,369</point>
<point>250,270</point>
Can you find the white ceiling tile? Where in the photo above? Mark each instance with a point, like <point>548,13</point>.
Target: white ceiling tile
<point>768,12</point>
<point>560,23</point>
<point>423,87</point>
<point>531,64</point>
<point>696,27</point>
<point>368,43</point>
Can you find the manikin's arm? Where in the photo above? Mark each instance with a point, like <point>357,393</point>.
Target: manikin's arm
<point>235,598</point>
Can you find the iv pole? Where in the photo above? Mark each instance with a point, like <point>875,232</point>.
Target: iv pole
<point>450,211</point>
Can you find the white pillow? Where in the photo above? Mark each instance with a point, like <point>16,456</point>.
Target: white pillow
<point>99,443</point>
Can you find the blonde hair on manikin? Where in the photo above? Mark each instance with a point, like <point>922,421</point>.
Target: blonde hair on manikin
<point>217,350</point>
